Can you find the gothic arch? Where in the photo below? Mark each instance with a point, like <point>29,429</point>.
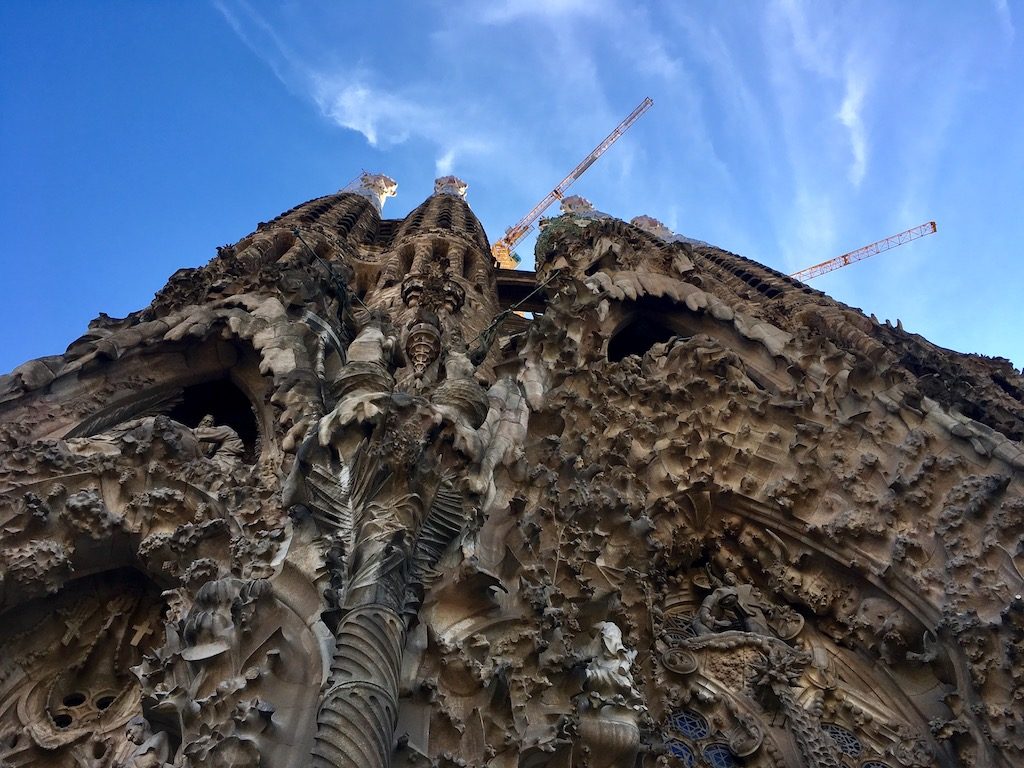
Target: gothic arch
<point>862,659</point>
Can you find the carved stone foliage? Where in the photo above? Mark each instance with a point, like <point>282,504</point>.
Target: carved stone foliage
<point>322,503</point>
<point>98,628</point>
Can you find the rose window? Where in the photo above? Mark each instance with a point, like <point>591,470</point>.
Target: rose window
<point>845,740</point>
<point>691,725</point>
<point>682,751</point>
<point>720,756</point>
<point>691,745</point>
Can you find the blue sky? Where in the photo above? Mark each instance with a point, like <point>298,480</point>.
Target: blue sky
<point>136,137</point>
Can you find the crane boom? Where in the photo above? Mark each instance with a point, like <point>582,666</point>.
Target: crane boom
<point>868,250</point>
<point>502,249</point>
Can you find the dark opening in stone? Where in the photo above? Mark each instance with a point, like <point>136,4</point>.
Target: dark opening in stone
<point>226,403</point>
<point>637,337</point>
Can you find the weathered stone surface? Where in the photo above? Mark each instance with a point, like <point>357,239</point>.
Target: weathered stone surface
<point>323,503</point>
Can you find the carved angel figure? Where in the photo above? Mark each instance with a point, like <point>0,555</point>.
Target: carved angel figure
<point>608,675</point>
<point>732,602</point>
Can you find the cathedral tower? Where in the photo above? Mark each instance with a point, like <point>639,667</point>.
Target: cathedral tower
<point>328,501</point>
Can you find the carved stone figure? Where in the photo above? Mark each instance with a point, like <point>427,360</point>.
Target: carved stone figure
<point>151,749</point>
<point>224,446</point>
<point>609,679</point>
<point>687,512</point>
<point>742,606</point>
<point>609,712</point>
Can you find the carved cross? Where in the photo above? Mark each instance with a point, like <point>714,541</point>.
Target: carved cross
<point>141,630</point>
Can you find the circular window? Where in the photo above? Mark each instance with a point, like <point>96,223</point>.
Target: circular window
<point>74,699</point>
<point>848,743</point>
<point>690,724</point>
<point>873,764</point>
<point>720,756</point>
<point>683,752</point>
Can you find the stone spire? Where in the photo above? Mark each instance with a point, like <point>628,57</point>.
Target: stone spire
<point>375,187</point>
<point>325,503</point>
<point>450,185</point>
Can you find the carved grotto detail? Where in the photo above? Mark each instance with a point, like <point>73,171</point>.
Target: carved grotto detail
<point>323,502</point>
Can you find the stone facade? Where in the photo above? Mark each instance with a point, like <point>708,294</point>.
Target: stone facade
<point>327,501</point>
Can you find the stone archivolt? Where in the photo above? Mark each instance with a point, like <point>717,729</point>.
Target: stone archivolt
<point>323,503</point>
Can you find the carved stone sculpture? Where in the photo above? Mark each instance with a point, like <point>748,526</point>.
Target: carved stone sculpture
<point>329,500</point>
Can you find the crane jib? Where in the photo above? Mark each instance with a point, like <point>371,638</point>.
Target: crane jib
<point>502,248</point>
<point>586,164</point>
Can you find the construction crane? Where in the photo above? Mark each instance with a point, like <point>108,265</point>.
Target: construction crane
<point>862,253</point>
<point>502,249</point>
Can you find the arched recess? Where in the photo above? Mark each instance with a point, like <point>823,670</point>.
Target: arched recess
<point>223,401</point>
<point>830,658</point>
<point>184,382</point>
<point>637,336</point>
<point>88,561</point>
<point>231,621</point>
<point>68,688</point>
<point>634,327</point>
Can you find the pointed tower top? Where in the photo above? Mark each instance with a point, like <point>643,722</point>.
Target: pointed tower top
<point>652,226</point>
<point>375,187</point>
<point>450,185</point>
<point>575,205</point>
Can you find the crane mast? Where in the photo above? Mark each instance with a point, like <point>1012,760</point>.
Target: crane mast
<point>862,253</point>
<point>502,249</point>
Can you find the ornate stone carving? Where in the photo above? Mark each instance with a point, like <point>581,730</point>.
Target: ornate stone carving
<point>375,187</point>
<point>324,502</point>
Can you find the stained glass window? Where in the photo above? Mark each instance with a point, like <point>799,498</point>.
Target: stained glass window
<point>690,724</point>
<point>848,743</point>
<point>720,756</point>
<point>690,747</point>
<point>683,752</point>
<point>873,764</point>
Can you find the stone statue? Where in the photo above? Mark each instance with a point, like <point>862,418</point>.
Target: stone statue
<point>733,602</point>
<point>222,444</point>
<point>151,749</point>
<point>730,603</point>
<point>609,711</point>
<point>609,679</point>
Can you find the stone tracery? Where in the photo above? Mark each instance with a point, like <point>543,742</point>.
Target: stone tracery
<point>692,514</point>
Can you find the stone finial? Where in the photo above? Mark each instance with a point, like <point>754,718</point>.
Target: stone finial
<point>652,226</point>
<point>581,208</point>
<point>576,204</point>
<point>375,187</point>
<point>450,185</point>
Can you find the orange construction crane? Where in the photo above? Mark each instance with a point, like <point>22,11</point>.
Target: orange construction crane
<point>502,250</point>
<point>862,253</point>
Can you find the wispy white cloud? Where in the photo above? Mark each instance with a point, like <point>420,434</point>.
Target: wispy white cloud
<point>384,118</point>
<point>260,38</point>
<point>850,116</point>
<point>643,45</point>
<point>826,56</point>
<point>813,43</point>
<point>1005,18</point>
<point>352,98</point>
<point>558,10</point>
<point>444,164</point>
